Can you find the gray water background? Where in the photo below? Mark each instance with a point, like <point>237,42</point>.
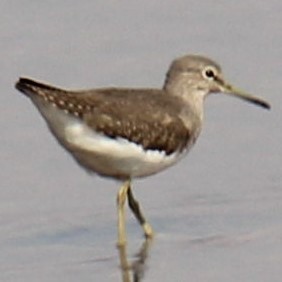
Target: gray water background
<point>217,214</point>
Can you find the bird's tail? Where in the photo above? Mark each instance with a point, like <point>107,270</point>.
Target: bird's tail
<point>29,86</point>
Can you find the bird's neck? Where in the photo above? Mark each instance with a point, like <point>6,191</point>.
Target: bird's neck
<point>192,98</point>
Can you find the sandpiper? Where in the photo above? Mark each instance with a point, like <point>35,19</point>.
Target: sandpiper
<point>126,133</point>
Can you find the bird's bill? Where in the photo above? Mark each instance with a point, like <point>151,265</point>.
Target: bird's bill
<point>231,90</point>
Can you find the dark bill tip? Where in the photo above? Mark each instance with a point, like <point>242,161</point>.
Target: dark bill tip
<point>228,89</point>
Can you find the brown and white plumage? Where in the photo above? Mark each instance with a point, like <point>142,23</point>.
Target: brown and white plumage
<point>125,133</point>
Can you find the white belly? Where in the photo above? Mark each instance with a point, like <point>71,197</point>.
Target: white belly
<point>98,153</point>
<point>118,156</point>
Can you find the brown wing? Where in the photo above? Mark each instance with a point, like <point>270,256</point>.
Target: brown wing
<point>145,116</point>
<point>149,120</point>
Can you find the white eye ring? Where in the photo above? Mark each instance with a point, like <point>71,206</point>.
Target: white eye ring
<point>209,73</point>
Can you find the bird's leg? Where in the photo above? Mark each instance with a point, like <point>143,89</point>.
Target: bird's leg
<point>135,208</point>
<point>121,198</point>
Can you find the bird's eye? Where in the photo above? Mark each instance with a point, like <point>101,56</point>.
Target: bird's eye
<point>209,73</point>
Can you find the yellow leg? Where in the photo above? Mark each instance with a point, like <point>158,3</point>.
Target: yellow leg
<point>135,207</point>
<point>121,198</point>
<point>124,264</point>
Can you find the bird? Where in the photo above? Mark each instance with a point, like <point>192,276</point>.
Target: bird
<point>128,133</point>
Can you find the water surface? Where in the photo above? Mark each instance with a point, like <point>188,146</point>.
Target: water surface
<point>217,214</point>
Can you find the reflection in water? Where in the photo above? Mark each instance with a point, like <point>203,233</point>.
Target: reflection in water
<point>136,268</point>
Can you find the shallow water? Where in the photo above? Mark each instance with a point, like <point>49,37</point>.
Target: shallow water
<point>217,214</point>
